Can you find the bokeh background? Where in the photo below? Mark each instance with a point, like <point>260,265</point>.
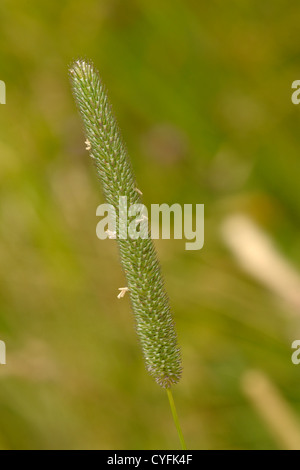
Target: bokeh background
<point>202,92</point>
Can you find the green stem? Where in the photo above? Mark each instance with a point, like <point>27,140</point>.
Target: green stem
<point>175,417</point>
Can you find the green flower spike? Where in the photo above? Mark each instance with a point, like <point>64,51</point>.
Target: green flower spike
<point>154,323</point>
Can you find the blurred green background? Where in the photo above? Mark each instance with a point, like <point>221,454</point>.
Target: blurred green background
<point>202,93</point>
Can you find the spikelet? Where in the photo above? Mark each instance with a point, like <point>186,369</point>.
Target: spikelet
<point>154,322</point>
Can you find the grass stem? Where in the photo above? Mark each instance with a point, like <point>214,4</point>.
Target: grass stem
<point>175,417</point>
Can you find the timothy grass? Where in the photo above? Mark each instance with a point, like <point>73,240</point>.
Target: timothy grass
<point>154,323</point>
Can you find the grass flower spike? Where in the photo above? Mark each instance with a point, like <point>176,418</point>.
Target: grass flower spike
<point>154,323</point>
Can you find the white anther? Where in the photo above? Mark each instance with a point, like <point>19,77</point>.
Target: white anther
<point>112,235</point>
<point>143,217</point>
<point>88,145</point>
<point>123,291</point>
